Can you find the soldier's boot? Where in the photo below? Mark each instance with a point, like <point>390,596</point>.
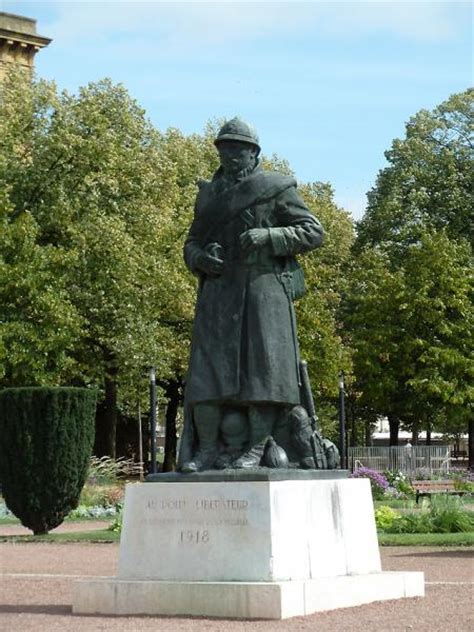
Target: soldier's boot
<point>207,418</point>
<point>261,420</point>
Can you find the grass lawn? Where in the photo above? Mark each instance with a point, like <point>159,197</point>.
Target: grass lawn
<point>13,520</point>
<point>426,539</point>
<point>9,521</point>
<point>101,535</point>
<point>396,503</point>
<point>385,539</point>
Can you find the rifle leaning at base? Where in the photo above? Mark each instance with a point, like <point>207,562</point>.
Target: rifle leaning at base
<point>317,441</point>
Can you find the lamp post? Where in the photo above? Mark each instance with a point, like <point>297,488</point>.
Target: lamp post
<point>153,419</point>
<point>342,422</point>
<point>140,439</point>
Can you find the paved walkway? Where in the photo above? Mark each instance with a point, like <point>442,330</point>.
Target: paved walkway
<point>35,595</point>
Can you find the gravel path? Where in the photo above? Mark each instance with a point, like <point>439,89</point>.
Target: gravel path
<point>35,595</point>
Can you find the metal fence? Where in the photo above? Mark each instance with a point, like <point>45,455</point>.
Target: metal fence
<point>408,459</point>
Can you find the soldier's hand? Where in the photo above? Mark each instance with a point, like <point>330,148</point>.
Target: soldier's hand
<point>254,239</point>
<point>212,266</point>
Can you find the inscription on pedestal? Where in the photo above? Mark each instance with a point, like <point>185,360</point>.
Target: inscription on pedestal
<point>199,515</point>
<point>194,537</point>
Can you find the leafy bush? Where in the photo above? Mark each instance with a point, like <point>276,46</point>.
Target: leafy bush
<point>103,487</point>
<point>463,485</point>
<point>116,525</point>
<point>400,483</point>
<point>378,482</point>
<point>444,514</point>
<point>46,437</point>
<point>101,495</point>
<point>385,517</point>
<point>98,512</point>
<point>412,523</point>
<point>449,516</point>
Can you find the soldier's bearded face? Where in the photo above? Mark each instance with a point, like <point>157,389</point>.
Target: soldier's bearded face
<point>236,156</point>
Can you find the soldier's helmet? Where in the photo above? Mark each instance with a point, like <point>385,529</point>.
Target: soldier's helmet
<point>236,129</point>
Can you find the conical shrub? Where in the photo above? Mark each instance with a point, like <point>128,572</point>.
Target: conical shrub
<point>46,439</point>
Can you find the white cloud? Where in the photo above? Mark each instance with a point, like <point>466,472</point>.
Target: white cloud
<point>422,20</point>
<point>172,26</point>
<point>197,26</point>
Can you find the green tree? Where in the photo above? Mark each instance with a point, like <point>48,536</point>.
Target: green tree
<point>39,324</point>
<point>320,328</point>
<point>370,312</point>
<point>411,329</point>
<point>428,182</point>
<point>87,188</point>
<point>95,207</point>
<point>411,349</point>
<point>439,307</point>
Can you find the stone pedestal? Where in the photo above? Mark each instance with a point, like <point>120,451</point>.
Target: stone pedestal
<point>246,548</point>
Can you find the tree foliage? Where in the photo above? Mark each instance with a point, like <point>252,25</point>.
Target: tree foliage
<point>95,205</point>
<point>320,328</point>
<point>409,305</point>
<point>428,182</point>
<point>90,194</point>
<point>38,322</point>
<point>412,331</point>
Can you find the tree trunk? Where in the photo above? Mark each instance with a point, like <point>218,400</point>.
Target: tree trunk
<point>106,418</point>
<point>414,433</point>
<point>173,393</point>
<point>352,425</point>
<point>368,434</point>
<point>428,433</point>
<point>394,425</point>
<point>110,425</point>
<point>471,444</point>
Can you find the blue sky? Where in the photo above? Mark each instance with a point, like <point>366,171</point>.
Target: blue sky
<point>328,85</point>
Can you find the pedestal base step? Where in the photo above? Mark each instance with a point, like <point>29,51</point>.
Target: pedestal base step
<point>246,600</point>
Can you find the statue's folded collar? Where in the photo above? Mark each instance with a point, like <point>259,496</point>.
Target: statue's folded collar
<point>216,208</point>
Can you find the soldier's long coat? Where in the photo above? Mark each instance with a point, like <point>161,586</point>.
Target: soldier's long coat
<point>244,346</point>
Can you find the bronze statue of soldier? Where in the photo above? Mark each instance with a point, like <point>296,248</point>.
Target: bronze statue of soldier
<point>244,371</point>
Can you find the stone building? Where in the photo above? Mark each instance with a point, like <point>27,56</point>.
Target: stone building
<point>19,41</point>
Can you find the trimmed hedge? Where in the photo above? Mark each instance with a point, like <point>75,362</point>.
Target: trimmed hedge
<point>46,439</point>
